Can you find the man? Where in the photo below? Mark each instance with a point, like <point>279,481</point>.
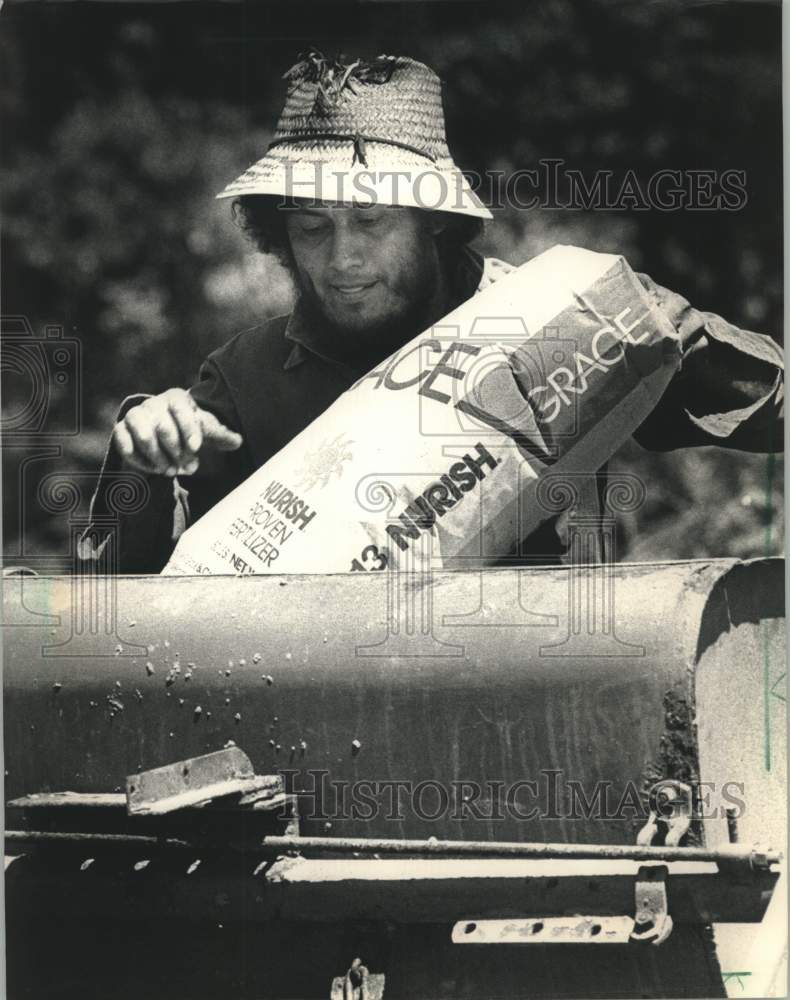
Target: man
<point>341,196</point>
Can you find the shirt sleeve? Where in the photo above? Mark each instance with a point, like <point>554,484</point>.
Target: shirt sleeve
<point>144,538</point>
<point>729,390</point>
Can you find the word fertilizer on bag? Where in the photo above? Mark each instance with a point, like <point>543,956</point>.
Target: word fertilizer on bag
<point>435,456</point>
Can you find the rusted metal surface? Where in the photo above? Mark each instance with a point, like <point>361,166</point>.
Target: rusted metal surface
<point>741,723</point>
<point>247,962</point>
<point>481,708</point>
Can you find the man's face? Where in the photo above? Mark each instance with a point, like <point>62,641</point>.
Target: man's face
<point>366,268</point>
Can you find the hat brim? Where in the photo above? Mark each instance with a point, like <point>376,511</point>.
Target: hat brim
<point>430,187</point>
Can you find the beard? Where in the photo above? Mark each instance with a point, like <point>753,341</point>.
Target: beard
<point>411,305</point>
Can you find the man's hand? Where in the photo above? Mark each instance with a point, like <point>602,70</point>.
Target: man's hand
<point>165,434</point>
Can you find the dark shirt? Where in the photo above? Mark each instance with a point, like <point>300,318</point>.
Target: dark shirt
<point>271,381</point>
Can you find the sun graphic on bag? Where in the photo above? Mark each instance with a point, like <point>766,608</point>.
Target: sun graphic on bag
<point>323,463</point>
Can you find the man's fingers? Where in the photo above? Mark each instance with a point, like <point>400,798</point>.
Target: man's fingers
<point>170,439</point>
<point>188,468</point>
<point>185,413</point>
<point>146,443</point>
<point>124,442</point>
<point>217,435</point>
<point>165,434</point>
<point>136,462</point>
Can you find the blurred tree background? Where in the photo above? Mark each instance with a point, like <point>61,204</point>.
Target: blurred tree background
<point>122,121</point>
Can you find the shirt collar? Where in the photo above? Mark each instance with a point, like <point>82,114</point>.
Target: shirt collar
<point>301,326</point>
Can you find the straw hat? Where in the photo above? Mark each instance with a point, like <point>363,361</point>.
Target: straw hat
<point>360,133</point>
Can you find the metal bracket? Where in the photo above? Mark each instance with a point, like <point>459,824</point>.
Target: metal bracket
<point>198,781</point>
<point>546,930</point>
<point>652,923</point>
<point>358,984</point>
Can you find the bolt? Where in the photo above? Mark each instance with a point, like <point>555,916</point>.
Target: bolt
<point>57,686</point>
<point>149,669</point>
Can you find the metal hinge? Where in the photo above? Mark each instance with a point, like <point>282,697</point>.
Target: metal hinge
<point>652,923</point>
<point>358,984</point>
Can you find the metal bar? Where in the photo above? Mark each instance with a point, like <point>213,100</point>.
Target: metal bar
<point>431,891</point>
<point>265,795</point>
<point>124,841</point>
<point>545,930</point>
<point>70,800</point>
<point>728,853</point>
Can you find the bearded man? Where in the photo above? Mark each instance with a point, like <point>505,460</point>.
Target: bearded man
<point>337,197</point>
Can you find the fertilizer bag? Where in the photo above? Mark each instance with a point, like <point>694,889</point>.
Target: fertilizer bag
<point>434,457</point>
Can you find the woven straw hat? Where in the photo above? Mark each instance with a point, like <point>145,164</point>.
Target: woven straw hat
<point>361,133</point>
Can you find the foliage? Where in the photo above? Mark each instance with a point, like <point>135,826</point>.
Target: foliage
<point>125,120</point>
